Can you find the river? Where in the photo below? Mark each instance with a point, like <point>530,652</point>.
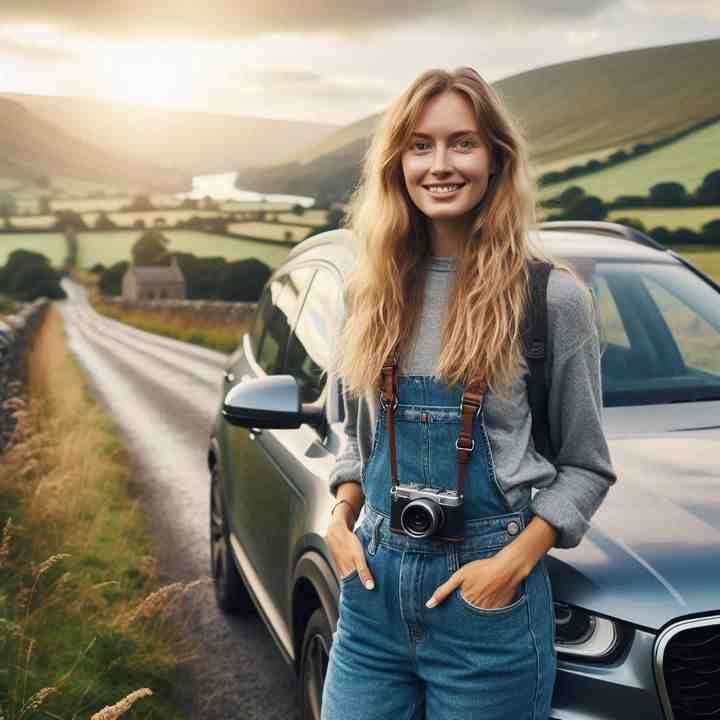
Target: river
<point>221,186</point>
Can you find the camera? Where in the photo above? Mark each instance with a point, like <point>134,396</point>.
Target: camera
<point>423,511</point>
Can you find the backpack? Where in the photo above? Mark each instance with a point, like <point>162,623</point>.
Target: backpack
<point>534,335</point>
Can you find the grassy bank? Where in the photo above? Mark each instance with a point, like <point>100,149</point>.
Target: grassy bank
<point>84,623</point>
<point>224,337</point>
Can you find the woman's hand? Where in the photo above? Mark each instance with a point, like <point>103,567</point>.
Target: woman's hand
<point>488,583</point>
<point>347,552</point>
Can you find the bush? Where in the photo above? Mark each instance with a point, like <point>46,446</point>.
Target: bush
<point>243,280</point>
<point>110,282</point>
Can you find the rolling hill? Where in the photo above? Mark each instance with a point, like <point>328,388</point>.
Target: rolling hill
<point>194,143</point>
<point>31,147</point>
<point>568,109</point>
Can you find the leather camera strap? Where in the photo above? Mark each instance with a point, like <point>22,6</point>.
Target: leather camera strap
<point>470,405</point>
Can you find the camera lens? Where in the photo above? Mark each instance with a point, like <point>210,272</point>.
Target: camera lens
<point>420,518</point>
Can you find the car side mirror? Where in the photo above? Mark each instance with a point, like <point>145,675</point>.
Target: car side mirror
<point>270,402</point>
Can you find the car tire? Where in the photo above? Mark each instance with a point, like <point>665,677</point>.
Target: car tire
<point>230,592</point>
<point>314,658</point>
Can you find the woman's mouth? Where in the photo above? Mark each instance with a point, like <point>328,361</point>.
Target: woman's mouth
<point>443,189</point>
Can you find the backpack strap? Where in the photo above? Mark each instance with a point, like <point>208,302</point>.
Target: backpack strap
<point>534,335</point>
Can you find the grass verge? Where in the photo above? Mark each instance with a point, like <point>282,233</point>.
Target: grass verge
<point>85,628</point>
<point>224,337</point>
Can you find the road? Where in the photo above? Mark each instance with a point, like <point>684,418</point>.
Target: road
<point>163,395</point>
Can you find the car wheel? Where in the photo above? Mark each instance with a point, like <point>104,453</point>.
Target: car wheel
<point>230,591</point>
<point>313,663</point>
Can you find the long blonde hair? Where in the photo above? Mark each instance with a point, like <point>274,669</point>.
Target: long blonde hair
<point>383,292</point>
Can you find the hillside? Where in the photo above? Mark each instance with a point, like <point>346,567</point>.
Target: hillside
<point>31,147</point>
<point>195,143</point>
<point>686,161</point>
<point>568,109</point>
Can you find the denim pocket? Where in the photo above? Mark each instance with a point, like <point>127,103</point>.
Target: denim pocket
<point>360,533</point>
<point>518,600</point>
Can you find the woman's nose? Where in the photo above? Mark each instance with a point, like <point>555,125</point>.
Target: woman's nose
<point>440,164</point>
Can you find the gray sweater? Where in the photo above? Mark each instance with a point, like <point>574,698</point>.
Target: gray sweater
<point>568,492</point>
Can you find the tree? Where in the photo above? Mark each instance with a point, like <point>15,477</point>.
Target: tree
<point>243,280</point>
<point>668,194</point>
<point>151,249</point>
<point>587,208</point>
<point>570,195</point>
<point>110,282</point>
<point>104,222</point>
<point>140,203</point>
<point>28,275</point>
<point>8,205</point>
<point>709,190</point>
<point>69,220</point>
<point>711,232</point>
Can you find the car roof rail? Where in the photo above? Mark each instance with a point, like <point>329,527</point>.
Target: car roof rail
<point>604,228</point>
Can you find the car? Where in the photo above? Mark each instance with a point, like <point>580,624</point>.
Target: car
<point>637,602</point>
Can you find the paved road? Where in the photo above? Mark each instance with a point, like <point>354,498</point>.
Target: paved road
<point>163,395</point>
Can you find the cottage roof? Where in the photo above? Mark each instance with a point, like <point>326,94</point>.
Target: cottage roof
<point>157,273</point>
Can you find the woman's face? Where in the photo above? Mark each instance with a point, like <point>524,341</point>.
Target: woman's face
<point>446,164</point>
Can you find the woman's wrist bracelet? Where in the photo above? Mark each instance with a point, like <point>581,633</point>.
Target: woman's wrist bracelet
<point>349,505</point>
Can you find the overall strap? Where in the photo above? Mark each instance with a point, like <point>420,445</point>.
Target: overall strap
<point>389,400</point>
<point>470,405</point>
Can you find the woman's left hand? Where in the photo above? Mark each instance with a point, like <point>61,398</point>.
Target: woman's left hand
<point>488,583</point>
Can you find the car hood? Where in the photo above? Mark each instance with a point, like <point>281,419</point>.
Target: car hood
<point>652,552</point>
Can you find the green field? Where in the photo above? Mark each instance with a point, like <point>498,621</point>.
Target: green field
<point>309,217</point>
<point>705,257</point>
<point>111,247</point>
<point>52,245</point>
<point>686,161</point>
<point>671,218</point>
<point>271,231</point>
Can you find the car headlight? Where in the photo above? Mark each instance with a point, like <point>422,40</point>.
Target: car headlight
<point>578,632</point>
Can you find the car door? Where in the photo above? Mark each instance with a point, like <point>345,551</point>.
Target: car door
<point>302,460</point>
<point>249,465</point>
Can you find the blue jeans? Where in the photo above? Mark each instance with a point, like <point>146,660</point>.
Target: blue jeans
<point>392,658</point>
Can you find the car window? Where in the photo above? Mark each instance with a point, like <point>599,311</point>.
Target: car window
<point>281,316</point>
<point>268,299</point>
<point>660,326</point>
<point>309,347</point>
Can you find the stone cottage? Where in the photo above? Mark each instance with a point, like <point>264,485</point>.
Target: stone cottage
<point>154,282</point>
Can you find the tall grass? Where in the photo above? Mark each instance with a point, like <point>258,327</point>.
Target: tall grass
<point>85,628</point>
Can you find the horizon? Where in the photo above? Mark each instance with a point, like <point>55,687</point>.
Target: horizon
<point>145,58</point>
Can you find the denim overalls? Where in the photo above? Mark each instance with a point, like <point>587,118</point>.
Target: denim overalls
<point>392,658</point>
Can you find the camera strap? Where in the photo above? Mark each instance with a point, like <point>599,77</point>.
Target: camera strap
<point>470,406</point>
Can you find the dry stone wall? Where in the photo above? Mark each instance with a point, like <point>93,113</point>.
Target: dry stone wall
<point>16,335</point>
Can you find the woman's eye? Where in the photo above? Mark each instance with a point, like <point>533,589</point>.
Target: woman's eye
<point>419,142</point>
<point>465,142</point>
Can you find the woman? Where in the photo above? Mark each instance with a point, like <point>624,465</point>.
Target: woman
<point>454,626</point>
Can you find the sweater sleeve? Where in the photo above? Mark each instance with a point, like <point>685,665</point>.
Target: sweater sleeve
<point>585,471</point>
<point>348,465</point>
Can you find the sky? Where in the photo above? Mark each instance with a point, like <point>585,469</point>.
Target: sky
<point>326,61</point>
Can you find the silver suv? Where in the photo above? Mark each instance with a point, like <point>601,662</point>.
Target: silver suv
<point>637,603</point>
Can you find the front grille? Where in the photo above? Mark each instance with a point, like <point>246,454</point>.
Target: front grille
<point>687,669</point>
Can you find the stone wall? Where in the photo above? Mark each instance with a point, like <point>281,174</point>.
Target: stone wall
<point>218,310</point>
<point>16,335</point>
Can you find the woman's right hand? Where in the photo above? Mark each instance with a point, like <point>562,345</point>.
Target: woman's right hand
<point>347,551</point>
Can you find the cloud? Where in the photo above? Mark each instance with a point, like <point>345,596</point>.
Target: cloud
<point>223,18</point>
<point>33,53</point>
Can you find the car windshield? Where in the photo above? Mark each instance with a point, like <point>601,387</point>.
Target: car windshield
<point>659,333</point>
